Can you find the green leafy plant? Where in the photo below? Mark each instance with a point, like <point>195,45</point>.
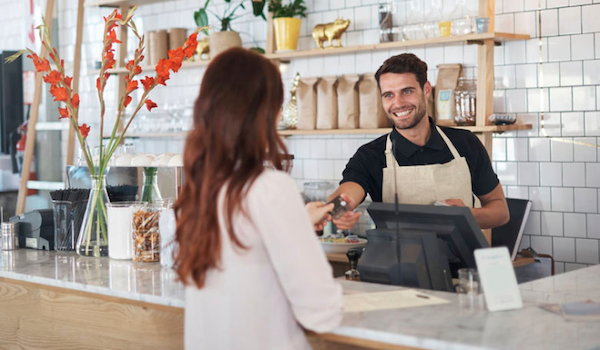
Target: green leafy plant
<point>294,8</point>
<point>201,16</point>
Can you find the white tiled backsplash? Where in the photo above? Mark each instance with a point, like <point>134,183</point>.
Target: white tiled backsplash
<point>555,164</point>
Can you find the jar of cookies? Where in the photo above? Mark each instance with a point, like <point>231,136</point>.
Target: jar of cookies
<point>146,233</point>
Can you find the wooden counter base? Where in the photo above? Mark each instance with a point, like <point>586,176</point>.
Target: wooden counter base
<point>34,316</point>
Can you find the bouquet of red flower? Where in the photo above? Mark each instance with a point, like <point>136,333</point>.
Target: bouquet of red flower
<point>60,88</point>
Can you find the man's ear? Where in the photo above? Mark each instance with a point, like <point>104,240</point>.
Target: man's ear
<point>427,89</point>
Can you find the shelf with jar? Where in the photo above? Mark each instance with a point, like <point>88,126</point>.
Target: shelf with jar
<point>475,38</point>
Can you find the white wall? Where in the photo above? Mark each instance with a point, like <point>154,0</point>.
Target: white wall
<point>555,164</point>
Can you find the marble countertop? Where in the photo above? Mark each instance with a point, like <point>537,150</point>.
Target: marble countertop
<point>146,282</point>
<point>446,326</point>
<point>450,327</point>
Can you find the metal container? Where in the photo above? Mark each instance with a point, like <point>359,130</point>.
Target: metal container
<point>9,236</point>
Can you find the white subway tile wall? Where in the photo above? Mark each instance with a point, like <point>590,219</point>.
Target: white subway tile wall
<point>554,87</point>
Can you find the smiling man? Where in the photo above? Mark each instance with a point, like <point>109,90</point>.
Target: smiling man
<point>421,162</point>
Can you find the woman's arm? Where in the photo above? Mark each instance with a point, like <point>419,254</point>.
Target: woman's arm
<point>278,212</point>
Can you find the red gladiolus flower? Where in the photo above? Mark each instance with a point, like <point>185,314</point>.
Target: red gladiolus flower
<point>147,82</point>
<point>64,113</point>
<point>68,81</point>
<point>40,65</point>
<point>176,57</point>
<point>127,101</point>
<point>52,78</point>
<point>110,59</point>
<point>131,86</point>
<point>60,94</point>
<point>163,66</point>
<point>190,45</point>
<point>112,37</point>
<point>98,86</point>
<point>162,79</point>
<point>75,100</point>
<point>129,64</point>
<point>84,130</point>
<point>52,56</point>
<point>137,70</point>
<point>150,104</point>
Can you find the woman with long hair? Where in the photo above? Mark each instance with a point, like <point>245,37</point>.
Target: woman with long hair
<point>255,274</point>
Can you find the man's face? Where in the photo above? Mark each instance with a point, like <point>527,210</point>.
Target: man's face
<point>403,99</point>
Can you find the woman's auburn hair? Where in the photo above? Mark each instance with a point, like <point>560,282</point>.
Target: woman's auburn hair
<point>234,136</point>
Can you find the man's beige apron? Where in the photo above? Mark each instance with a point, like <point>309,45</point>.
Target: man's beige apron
<point>426,184</point>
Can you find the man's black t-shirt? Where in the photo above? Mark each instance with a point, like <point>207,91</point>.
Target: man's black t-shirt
<point>366,166</point>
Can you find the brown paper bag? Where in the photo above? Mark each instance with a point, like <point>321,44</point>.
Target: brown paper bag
<point>177,37</point>
<point>327,108</point>
<point>447,80</point>
<point>158,46</point>
<point>348,106</point>
<point>372,115</point>
<point>306,97</point>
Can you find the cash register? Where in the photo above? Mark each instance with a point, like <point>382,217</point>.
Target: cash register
<point>36,229</point>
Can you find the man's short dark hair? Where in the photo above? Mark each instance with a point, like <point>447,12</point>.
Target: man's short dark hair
<point>404,63</point>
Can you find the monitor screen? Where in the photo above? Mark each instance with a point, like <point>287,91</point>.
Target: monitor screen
<point>419,245</point>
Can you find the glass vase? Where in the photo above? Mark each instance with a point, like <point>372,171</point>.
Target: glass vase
<point>93,236</point>
<point>150,191</point>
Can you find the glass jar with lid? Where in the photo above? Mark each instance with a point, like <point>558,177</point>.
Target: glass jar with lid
<point>465,98</point>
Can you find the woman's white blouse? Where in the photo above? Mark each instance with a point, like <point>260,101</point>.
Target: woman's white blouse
<point>262,297</point>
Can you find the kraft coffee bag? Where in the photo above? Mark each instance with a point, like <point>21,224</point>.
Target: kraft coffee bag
<point>306,97</point>
<point>348,101</point>
<point>327,108</point>
<point>372,115</point>
<point>447,80</point>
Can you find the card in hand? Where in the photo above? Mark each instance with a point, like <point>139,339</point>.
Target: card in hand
<point>340,207</point>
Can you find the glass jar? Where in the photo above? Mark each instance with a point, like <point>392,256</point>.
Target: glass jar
<point>146,233</point>
<point>465,98</point>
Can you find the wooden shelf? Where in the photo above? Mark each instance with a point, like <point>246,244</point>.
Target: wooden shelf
<point>153,135</point>
<point>400,44</point>
<point>119,3</point>
<point>354,49</point>
<point>487,128</point>
<point>476,129</point>
<point>184,65</point>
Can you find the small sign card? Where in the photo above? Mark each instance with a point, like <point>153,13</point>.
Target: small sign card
<point>497,277</point>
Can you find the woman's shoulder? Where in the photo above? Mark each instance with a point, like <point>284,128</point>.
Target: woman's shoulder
<point>274,181</point>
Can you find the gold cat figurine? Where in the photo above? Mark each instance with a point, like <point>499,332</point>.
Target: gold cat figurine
<point>330,32</point>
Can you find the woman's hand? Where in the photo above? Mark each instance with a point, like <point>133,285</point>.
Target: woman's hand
<point>319,213</point>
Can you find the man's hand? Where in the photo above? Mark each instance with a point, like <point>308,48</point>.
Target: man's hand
<point>319,214</point>
<point>454,202</point>
<point>350,218</point>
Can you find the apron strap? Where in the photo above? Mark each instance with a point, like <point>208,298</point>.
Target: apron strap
<point>390,160</point>
<point>448,143</point>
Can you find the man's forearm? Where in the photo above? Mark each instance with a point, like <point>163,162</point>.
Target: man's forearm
<point>352,190</point>
<point>492,214</point>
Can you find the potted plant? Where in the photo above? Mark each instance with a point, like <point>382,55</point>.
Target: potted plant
<point>287,28</point>
<point>226,37</point>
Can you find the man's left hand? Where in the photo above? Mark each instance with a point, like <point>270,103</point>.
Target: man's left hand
<point>454,202</point>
